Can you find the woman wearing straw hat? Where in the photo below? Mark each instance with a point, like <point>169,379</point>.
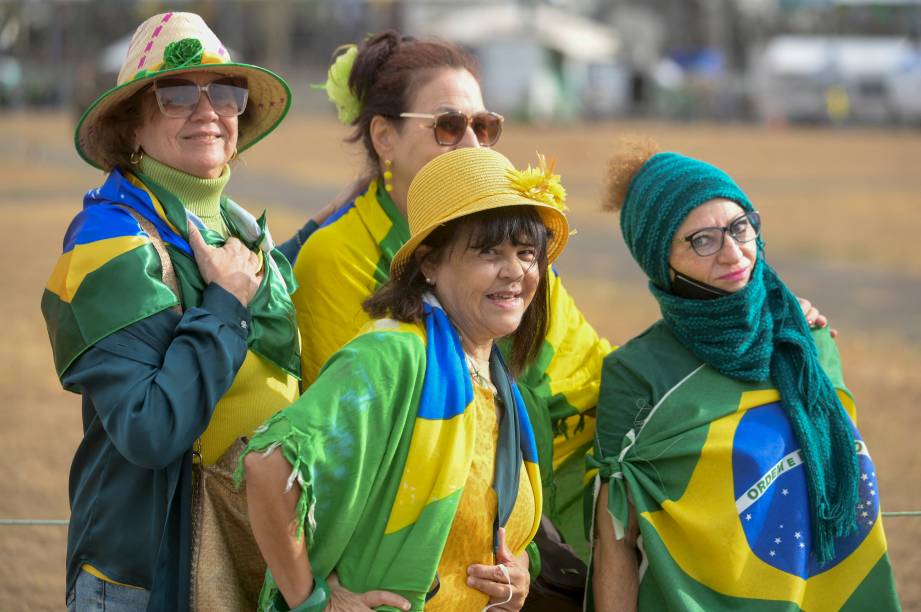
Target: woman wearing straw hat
<point>408,101</point>
<point>406,474</point>
<point>731,474</point>
<point>169,309</point>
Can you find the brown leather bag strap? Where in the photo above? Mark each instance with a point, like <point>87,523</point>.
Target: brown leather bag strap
<point>166,264</point>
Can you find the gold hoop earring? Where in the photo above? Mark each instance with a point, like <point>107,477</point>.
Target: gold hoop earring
<point>136,156</point>
<point>388,176</point>
<point>233,155</point>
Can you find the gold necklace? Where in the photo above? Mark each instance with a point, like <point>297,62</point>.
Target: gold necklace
<point>478,377</point>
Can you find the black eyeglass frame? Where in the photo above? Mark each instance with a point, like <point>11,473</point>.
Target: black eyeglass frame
<point>222,82</point>
<point>470,119</point>
<point>754,221</point>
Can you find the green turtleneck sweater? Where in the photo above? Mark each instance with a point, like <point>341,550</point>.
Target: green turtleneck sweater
<point>201,197</point>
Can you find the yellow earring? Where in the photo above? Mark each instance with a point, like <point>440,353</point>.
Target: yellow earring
<point>388,176</point>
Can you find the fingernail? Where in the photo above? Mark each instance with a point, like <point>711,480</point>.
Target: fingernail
<point>470,581</point>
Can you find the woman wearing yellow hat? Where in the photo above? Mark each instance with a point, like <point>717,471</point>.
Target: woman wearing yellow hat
<point>408,101</point>
<point>407,474</point>
<point>169,309</point>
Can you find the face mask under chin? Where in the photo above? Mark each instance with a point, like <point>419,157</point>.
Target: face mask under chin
<point>686,287</point>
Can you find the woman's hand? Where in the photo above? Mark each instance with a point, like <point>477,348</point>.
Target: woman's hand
<point>814,318</point>
<point>233,266</point>
<point>343,600</point>
<point>496,581</point>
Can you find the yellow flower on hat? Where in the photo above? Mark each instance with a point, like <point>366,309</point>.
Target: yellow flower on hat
<point>540,183</point>
<point>337,86</point>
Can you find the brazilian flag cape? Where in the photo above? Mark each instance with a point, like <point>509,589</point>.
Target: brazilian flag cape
<point>348,258</point>
<point>381,445</point>
<point>718,485</point>
<point>110,275</point>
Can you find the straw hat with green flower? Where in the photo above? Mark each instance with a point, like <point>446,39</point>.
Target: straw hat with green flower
<point>170,44</point>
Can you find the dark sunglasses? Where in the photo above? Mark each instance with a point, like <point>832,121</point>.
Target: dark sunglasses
<point>450,126</point>
<point>179,97</point>
<point>709,240</point>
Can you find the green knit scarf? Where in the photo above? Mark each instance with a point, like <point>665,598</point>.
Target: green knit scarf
<point>755,334</point>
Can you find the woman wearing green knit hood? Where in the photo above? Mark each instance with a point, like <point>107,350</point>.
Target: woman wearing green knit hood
<point>728,469</point>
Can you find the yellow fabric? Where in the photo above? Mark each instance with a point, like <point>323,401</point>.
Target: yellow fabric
<point>66,277</point>
<point>471,538</point>
<point>259,390</point>
<point>92,571</point>
<point>335,274</point>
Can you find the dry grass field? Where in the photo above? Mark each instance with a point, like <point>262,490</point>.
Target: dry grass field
<point>843,223</point>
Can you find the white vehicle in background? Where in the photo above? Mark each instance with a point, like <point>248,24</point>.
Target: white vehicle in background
<point>839,79</point>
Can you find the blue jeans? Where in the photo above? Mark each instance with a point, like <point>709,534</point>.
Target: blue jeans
<point>90,594</point>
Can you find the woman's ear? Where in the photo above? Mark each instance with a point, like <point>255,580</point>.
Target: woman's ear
<point>426,265</point>
<point>383,136</point>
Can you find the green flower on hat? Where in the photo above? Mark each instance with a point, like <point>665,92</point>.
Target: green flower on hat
<point>337,86</point>
<point>182,53</point>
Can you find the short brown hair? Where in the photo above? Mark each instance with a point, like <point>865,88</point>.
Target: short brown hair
<point>387,72</point>
<point>401,297</point>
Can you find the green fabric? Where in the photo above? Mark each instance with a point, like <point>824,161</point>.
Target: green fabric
<point>682,443</point>
<point>348,451</point>
<point>758,333</point>
<point>396,236</point>
<point>92,315</point>
<point>382,461</point>
<point>274,332</point>
<point>201,197</point>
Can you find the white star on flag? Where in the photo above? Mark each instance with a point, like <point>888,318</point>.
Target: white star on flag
<point>797,535</point>
<point>872,492</point>
<point>776,540</point>
<point>801,545</point>
<point>748,517</point>
<point>864,514</point>
<point>863,476</point>
<point>785,492</point>
<point>772,553</point>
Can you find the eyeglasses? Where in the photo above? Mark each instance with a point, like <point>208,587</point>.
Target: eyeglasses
<point>450,126</point>
<point>709,240</point>
<point>179,97</point>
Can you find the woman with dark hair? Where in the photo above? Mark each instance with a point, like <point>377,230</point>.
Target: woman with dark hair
<point>730,471</point>
<point>409,100</point>
<point>169,312</point>
<point>407,474</point>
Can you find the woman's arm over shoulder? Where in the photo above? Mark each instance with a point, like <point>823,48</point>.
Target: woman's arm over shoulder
<point>155,383</point>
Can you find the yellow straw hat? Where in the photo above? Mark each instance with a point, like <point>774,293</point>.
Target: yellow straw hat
<point>470,180</point>
<point>173,43</point>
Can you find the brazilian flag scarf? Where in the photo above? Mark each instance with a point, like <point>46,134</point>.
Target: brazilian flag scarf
<point>109,274</point>
<point>381,445</point>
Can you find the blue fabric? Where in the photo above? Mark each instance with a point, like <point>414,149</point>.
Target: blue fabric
<point>117,188</point>
<point>446,391</point>
<point>757,333</point>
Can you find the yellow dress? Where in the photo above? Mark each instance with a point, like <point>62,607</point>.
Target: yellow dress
<point>471,538</point>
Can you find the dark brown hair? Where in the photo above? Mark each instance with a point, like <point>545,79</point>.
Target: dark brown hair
<point>401,297</point>
<point>116,128</point>
<point>389,69</point>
